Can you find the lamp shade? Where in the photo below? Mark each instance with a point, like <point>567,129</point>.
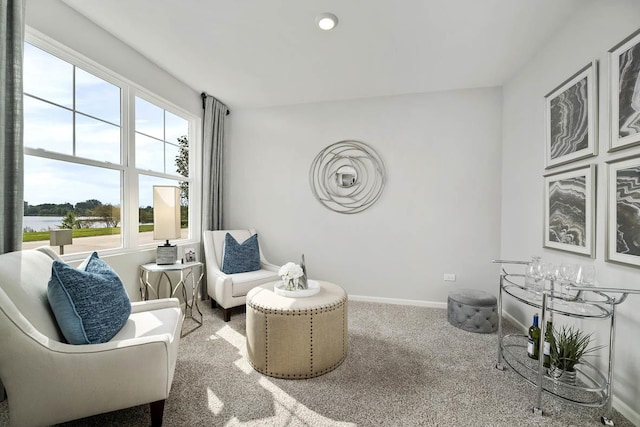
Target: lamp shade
<point>60,237</point>
<point>166,212</point>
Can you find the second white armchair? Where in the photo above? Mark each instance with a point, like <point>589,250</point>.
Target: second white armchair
<point>230,290</point>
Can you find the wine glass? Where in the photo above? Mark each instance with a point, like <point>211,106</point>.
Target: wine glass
<point>539,274</point>
<point>557,278</point>
<point>567,276</point>
<point>586,275</point>
<point>528,277</point>
<point>531,274</point>
<point>547,273</point>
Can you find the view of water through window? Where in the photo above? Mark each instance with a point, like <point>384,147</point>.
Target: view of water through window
<point>45,223</point>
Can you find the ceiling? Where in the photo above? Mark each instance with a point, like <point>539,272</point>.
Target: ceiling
<point>265,53</point>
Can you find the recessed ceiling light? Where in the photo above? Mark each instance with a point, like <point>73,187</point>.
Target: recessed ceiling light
<point>326,21</point>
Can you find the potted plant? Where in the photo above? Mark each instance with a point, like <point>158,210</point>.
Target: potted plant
<point>568,346</point>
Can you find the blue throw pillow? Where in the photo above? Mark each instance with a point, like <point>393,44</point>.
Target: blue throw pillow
<point>240,258</point>
<point>90,303</point>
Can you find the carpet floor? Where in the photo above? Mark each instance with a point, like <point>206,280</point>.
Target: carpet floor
<point>406,366</point>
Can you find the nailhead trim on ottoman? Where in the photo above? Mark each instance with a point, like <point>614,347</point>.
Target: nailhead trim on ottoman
<point>296,338</point>
<point>472,310</point>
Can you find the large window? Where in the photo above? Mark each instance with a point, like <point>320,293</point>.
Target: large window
<point>95,145</point>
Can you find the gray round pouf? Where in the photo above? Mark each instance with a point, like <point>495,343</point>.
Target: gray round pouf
<point>472,310</point>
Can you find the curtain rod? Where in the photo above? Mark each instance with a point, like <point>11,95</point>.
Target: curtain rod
<point>204,95</point>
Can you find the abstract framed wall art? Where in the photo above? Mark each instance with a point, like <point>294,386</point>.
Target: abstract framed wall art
<point>571,118</point>
<point>569,210</point>
<point>624,70</point>
<point>623,211</point>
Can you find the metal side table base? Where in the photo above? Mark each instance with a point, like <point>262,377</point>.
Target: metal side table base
<point>186,272</point>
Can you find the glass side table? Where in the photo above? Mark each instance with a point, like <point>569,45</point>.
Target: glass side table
<point>187,272</point>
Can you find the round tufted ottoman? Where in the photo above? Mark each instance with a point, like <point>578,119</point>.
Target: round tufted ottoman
<point>472,310</point>
<point>296,337</point>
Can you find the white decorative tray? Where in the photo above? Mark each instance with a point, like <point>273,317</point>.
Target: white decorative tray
<point>314,288</point>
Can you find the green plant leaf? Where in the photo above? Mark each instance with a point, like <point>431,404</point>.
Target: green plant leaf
<point>568,346</point>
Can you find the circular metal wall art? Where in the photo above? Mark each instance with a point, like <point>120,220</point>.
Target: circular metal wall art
<point>347,177</point>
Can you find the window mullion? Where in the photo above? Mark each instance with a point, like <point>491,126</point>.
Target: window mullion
<point>39,152</point>
<point>195,181</point>
<point>164,141</point>
<point>73,114</point>
<point>130,181</point>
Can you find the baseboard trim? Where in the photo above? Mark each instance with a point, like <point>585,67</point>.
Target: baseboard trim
<point>626,410</point>
<point>398,301</point>
<point>619,405</point>
<point>516,322</point>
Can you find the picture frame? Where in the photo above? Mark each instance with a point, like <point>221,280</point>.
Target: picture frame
<point>623,211</point>
<point>571,120</point>
<point>189,254</point>
<point>569,210</point>
<point>624,73</point>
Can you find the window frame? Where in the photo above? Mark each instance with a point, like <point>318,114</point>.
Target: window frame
<point>129,174</point>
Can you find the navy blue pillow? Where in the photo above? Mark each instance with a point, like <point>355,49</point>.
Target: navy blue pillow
<point>90,303</point>
<point>240,258</point>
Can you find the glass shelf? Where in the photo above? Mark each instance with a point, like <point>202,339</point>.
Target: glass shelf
<point>583,304</point>
<point>591,385</point>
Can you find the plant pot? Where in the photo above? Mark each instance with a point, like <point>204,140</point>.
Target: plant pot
<point>560,375</point>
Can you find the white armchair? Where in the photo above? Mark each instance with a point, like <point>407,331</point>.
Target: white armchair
<point>230,290</point>
<point>48,381</point>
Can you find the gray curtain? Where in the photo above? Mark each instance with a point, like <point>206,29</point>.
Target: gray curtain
<point>11,144</point>
<point>213,143</point>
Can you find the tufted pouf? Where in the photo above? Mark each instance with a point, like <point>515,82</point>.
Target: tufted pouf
<point>472,310</point>
<point>296,337</point>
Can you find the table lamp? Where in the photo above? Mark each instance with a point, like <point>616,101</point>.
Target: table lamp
<point>60,238</point>
<point>166,222</point>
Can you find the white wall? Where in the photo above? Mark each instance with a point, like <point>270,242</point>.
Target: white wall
<point>61,23</point>
<point>590,34</point>
<point>439,212</point>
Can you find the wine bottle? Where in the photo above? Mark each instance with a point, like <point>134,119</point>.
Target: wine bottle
<point>548,340</point>
<point>303,281</point>
<point>533,346</point>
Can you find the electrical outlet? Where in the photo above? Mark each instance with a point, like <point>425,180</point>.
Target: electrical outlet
<point>449,277</point>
